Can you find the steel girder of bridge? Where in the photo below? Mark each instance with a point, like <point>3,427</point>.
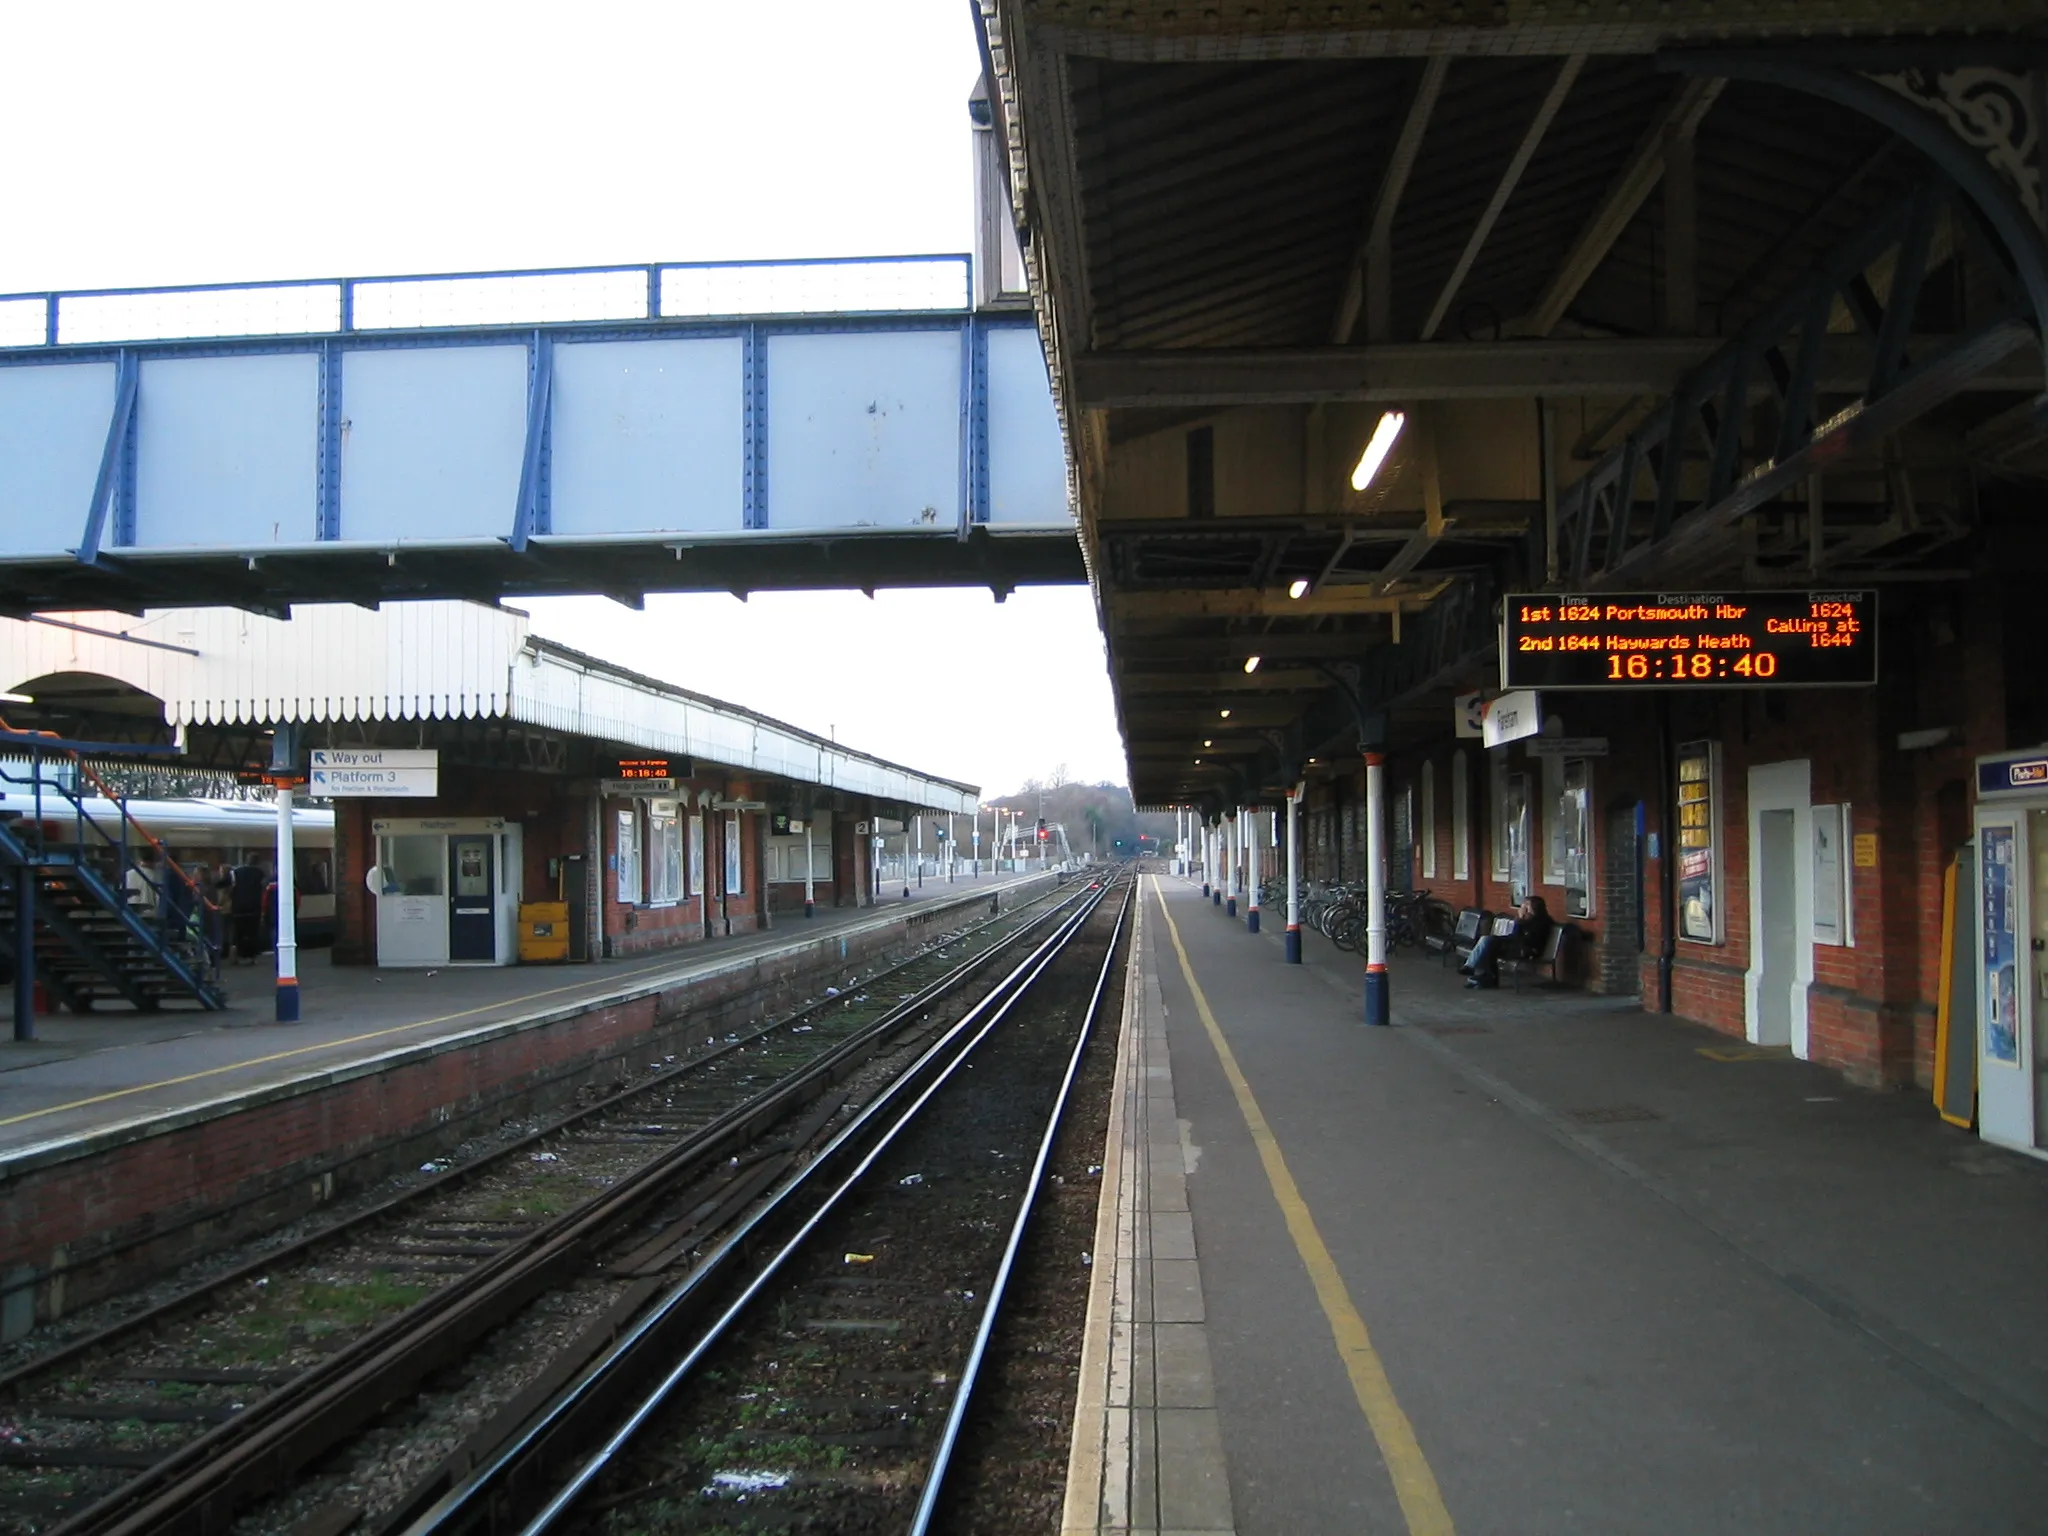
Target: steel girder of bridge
<point>1664,295</point>
<point>616,430</point>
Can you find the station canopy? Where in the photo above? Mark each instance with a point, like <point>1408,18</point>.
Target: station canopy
<point>1607,284</point>
<point>470,681</point>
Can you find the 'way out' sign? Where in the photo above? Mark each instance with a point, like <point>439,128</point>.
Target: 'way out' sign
<point>380,772</point>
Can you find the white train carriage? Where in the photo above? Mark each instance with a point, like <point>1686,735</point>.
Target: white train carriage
<point>204,835</point>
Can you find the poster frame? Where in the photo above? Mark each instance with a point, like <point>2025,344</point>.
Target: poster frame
<point>1706,875</point>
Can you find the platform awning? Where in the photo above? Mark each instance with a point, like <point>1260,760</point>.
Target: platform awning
<point>438,662</point>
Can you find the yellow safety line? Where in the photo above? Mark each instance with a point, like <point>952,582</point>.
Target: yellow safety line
<point>1422,1503</point>
<point>324,1045</point>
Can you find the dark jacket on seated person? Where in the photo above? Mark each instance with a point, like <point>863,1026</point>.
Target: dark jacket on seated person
<point>1532,927</point>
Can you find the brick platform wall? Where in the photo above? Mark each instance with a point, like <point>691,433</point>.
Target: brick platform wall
<point>89,1221</point>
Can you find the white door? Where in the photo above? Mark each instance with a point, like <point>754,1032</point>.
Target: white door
<point>1777,904</point>
<point>2008,975</point>
<point>1780,904</point>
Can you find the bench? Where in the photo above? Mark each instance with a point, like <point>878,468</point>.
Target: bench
<point>1551,960</point>
<point>1463,935</point>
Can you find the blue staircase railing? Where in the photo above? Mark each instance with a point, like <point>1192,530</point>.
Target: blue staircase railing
<point>114,907</point>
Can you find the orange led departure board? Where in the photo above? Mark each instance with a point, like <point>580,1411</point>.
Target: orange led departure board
<point>649,768</point>
<point>1689,640</point>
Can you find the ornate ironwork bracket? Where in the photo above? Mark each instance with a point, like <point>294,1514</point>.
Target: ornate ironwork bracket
<point>1996,112</point>
<point>1978,124</point>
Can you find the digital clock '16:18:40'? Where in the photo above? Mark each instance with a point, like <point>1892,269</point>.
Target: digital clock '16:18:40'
<point>1649,640</point>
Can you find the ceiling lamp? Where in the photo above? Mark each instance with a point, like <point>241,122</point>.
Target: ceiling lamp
<point>1377,449</point>
<point>1251,663</point>
<point>1298,589</point>
<point>1208,742</point>
<point>1223,714</point>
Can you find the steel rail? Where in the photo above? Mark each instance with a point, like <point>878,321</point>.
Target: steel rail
<point>173,1307</point>
<point>970,1373</point>
<point>196,1488</point>
<point>595,1392</point>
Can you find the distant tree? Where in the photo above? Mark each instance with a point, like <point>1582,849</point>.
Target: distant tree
<point>1102,812</point>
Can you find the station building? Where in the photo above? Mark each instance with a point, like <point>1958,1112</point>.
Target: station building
<point>523,774</point>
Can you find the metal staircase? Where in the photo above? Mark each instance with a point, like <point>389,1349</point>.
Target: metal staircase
<point>105,925</point>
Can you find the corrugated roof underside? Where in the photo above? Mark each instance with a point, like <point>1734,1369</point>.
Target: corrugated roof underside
<point>1223,201</point>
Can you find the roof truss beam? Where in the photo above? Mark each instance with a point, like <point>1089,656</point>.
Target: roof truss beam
<point>1368,278</point>
<point>1678,118</point>
<point>1256,603</point>
<point>1395,373</point>
<point>1532,138</point>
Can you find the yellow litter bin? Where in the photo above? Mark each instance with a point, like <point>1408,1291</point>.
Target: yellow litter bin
<point>543,932</point>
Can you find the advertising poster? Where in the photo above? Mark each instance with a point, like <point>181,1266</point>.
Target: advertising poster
<point>2001,948</point>
<point>1698,868</point>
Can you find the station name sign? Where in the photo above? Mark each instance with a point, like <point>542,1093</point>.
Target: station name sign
<point>1704,639</point>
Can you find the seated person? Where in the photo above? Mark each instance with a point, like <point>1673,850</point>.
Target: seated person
<point>1526,931</point>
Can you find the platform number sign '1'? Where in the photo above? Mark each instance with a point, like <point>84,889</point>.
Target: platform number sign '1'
<point>1689,640</point>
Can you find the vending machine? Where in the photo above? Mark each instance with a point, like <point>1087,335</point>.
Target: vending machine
<point>2012,956</point>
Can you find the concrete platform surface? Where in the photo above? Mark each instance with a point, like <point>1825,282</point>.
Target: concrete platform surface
<point>1537,1262</point>
<point>87,1073</point>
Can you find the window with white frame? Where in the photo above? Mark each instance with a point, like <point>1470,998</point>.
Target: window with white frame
<point>696,869</point>
<point>1573,809</point>
<point>664,854</point>
<point>1499,810</point>
<point>1461,816</point>
<point>1557,829</point>
<point>735,876</point>
<point>626,856</point>
<point>1429,821</point>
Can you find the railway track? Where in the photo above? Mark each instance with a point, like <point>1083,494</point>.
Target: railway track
<point>816,1371</point>
<point>299,1348</point>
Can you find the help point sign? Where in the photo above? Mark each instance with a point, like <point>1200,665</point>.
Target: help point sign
<point>382,773</point>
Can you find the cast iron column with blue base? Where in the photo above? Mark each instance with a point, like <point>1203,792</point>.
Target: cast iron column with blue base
<point>1379,1007</point>
<point>810,875</point>
<point>1251,874</point>
<point>1212,867</point>
<point>1233,833</point>
<point>284,762</point>
<point>1293,876</point>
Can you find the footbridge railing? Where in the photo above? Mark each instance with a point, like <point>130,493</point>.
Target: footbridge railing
<point>620,429</point>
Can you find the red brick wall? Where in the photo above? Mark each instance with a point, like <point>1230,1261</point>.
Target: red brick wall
<point>1871,1009</point>
<point>712,912</point>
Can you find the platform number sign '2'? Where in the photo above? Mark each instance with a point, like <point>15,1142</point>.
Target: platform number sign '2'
<point>1689,640</point>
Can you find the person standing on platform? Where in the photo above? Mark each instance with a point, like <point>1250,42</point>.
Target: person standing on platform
<point>245,909</point>
<point>270,906</point>
<point>141,882</point>
<point>180,901</point>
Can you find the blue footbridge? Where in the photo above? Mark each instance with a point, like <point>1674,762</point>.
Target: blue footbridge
<point>622,430</point>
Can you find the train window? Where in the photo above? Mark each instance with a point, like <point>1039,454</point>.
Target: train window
<point>315,876</point>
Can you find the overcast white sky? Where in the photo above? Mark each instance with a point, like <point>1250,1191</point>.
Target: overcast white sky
<point>174,143</point>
